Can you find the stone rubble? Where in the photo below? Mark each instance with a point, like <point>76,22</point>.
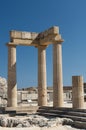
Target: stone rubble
<point>33,120</point>
<point>3,84</point>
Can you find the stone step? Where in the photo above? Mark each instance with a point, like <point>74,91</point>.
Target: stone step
<point>63,109</point>
<point>21,113</point>
<point>78,124</point>
<point>74,118</point>
<point>80,114</point>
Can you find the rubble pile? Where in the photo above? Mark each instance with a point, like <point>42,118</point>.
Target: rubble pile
<point>33,120</point>
<point>3,85</point>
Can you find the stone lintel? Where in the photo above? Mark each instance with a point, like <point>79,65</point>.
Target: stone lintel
<point>46,37</point>
<point>51,31</point>
<point>32,35</point>
<point>25,42</point>
<point>16,42</point>
<point>44,42</point>
<point>23,35</point>
<point>50,39</point>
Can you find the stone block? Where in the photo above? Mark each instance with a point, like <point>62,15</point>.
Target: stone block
<point>15,34</point>
<point>51,31</point>
<point>26,35</point>
<point>34,35</point>
<point>77,92</point>
<point>50,39</point>
<point>22,35</point>
<point>22,42</point>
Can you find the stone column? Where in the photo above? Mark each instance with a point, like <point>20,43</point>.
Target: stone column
<point>42,87</point>
<point>57,75</point>
<point>12,85</point>
<point>77,92</point>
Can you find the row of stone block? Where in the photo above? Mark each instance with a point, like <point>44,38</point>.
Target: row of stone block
<point>32,35</point>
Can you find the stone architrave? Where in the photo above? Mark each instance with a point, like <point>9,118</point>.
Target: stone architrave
<point>77,92</point>
<point>12,85</point>
<point>57,75</point>
<point>42,88</point>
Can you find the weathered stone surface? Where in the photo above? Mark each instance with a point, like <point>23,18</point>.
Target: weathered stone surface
<point>37,121</point>
<point>26,124</point>
<point>3,82</point>
<point>19,125</point>
<point>3,122</point>
<point>79,124</point>
<point>30,35</point>
<point>3,85</point>
<point>57,75</point>
<point>77,92</point>
<point>49,39</point>
<point>23,35</point>
<point>46,37</point>
<point>12,85</point>
<point>42,88</point>
<point>51,123</point>
<point>66,121</point>
<point>15,34</point>
<point>3,91</point>
<point>23,42</point>
<point>40,40</point>
<point>26,35</point>
<point>51,31</point>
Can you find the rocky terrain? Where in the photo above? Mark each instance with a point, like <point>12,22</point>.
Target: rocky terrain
<point>3,85</point>
<point>36,122</point>
<point>33,121</point>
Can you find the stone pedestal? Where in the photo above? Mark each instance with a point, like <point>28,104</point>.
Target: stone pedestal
<point>12,85</point>
<point>57,75</point>
<point>77,92</point>
<point>42,88</point>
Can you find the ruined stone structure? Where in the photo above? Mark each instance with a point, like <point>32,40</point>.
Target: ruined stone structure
<point>40,41</point>
<point>77,92</point>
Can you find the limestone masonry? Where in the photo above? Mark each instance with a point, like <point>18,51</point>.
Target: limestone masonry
<point>41,41</point>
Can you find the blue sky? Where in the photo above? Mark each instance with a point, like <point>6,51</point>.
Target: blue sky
<point>36,16</point>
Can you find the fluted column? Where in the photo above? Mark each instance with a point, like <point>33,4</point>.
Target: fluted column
<point>12,84</point>
<point>77,92</point>
<point>57,75</point>
<point>42,86</point>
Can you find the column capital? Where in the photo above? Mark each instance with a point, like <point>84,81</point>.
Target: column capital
<point>41,46</point>
<point>11,44</point>
<point>59,42</point>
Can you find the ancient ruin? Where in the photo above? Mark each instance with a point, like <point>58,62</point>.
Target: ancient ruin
<point>34,115</point>
<point>77,92</point>
<point>40,41</point>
